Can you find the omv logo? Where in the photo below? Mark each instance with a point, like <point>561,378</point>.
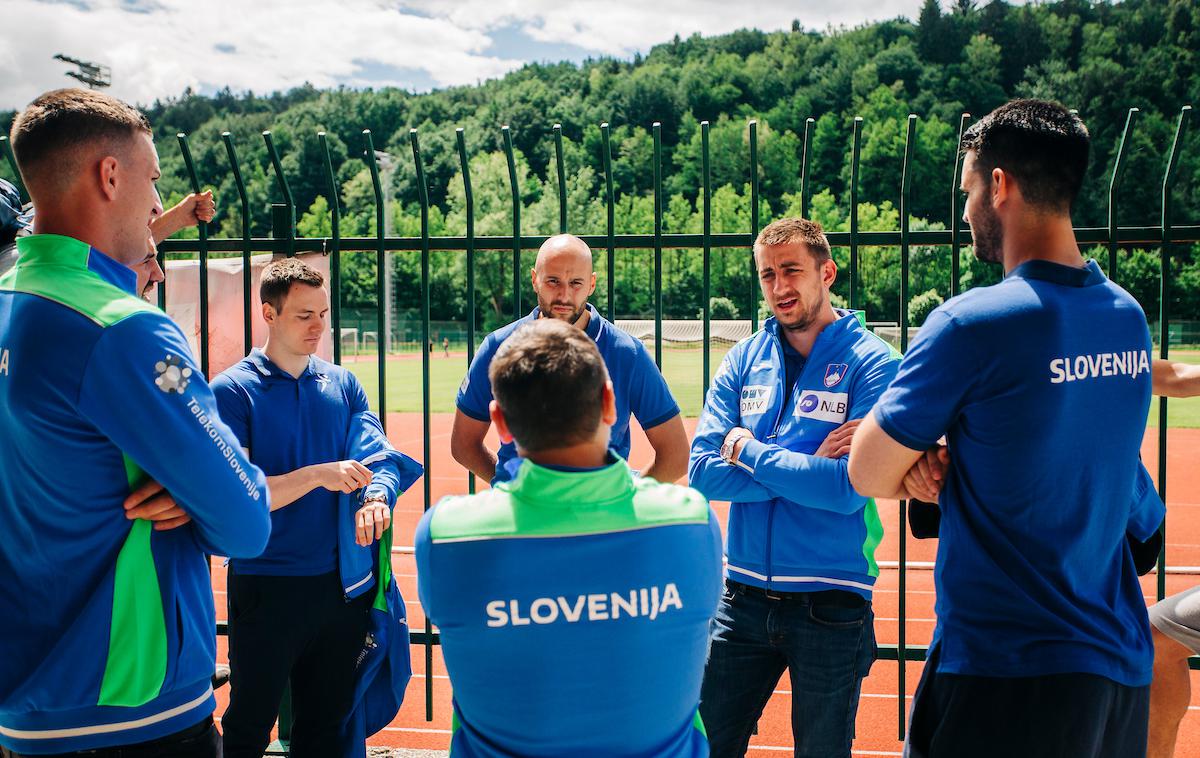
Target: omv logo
<point>808,403</point>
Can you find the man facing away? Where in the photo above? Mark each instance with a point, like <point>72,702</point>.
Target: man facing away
<point>1040,385</point>
<point>573,601</point>
<point>109,627</point>
<point>773,438</point>
<point>563,279</point>
<point>294,611</point>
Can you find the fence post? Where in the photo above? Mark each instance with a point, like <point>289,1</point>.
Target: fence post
<point>1113,182</point>
<point>610,224</point>
<point>516,219</point>
<point>335,250</point>
<point>288,201</point>
<point>381,262</point>
<point>905,184</point>
<point>562,179</point>
<point>423,196</point>
<point>1164,332</point>
<point>203,246</point>
<point>705,303</point>
<point>955,258</point>
<point>805,167</point>
<point>469,201</point>
<point>754,222</point>
<point>656,128</point>
<point>856,145</point>
<point>247,338</point>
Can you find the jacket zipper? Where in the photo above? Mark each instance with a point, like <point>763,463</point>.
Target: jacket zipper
<point>774,433</point>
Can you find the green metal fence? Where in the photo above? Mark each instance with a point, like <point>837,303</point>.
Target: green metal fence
<point>1167,235</point>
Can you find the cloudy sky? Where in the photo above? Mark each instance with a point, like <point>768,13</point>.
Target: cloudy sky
<point>156,48</point>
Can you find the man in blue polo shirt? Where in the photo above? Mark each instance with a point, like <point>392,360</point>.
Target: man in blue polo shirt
<point>1040,385</point>
<point>574,600</point>
<point>563,280</point>
<point>772,440</point>
<point>292,612</point>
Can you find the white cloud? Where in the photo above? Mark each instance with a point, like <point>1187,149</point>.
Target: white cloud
<point>156,48</point>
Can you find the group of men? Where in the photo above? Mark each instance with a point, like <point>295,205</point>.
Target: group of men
<point>583,607</point>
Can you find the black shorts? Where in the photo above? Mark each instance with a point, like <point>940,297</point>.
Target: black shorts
<point>1076,715</point>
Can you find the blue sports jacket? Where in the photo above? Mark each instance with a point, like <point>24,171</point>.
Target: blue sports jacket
<point>392,472</point>
<point>108,634</point>
<point>795,523</point>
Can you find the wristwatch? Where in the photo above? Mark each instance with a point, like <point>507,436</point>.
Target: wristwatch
<point>730,445</point>
<point>375,499</point>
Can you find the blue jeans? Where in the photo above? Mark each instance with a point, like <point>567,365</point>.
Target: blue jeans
<point>826,641</point>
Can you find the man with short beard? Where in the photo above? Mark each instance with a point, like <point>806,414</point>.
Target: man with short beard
<point>772,439</point>
<point>1040,385</point>
<point>563,279</point>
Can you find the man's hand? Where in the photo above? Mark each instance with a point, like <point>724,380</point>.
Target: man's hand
<point>341,476</point>
<point>837,443</point>
<point>189,211</point>
<point>925,479</point>
<point>371,521</point>
<point>153,503</point>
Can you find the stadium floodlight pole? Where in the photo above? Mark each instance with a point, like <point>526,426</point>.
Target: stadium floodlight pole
<point>1164,331</point>
<point>94,75</point>
<point>1113,182</point>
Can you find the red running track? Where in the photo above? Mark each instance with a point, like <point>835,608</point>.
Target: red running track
<point>879,711</point>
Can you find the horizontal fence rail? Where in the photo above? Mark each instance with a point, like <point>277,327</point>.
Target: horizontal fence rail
<point>1167,236</point>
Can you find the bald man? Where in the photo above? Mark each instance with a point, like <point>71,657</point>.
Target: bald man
<point>563,279</point>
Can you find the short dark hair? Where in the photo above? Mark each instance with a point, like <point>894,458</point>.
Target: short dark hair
<point>548,379</point>
<point>279,276</point>
<point>1040,143</point>
<point>789,231</point>
<point>65,119</point>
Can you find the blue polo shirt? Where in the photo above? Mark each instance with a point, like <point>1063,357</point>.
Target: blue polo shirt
<point>637,382</point>
<point>287,423</point>
<point>1041,385</point>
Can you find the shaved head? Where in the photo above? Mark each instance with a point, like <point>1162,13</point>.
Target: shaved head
<point>563,278</point>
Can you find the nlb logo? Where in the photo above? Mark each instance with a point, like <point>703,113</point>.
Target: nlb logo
<point>823,406</point>
<point>646,602</point>
<point>755,399</point>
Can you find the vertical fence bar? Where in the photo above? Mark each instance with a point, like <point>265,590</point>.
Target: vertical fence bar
<point>247,327</point>
<point>805,165</point>
<point>381,339</point>
<point>855,148</point>
<point>905,184</point>
<point>562,180</point>
<point>707,253</point>
<point>202,227</point>
<point>656,127</point>
<point>955,221</point>
<point>516,217</point>
<point>12,163</point>
<point>335,249</point>
<point>1164,331</point>
<point>423,196</point>
<point>1113,183</point>
<point>754,220</point>
<point>285,188</point>
<point>610,224</point>
<point>469,200</point>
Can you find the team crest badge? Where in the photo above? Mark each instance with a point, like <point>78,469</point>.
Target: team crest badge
<point>834,373</point>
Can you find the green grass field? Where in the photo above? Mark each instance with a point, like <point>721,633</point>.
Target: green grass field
<point>682,368</point>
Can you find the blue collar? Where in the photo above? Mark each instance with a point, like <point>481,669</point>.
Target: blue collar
<point>1057,273</point>
<point>266,367</point>
<point>847,321</point>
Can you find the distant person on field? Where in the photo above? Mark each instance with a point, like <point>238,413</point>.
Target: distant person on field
<point>573,600</point>
<point>108,642</point>
<point>1040,385</point>
<point>563,280</point>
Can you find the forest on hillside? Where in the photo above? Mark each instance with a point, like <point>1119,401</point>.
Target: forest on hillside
<point>1100,58</point>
